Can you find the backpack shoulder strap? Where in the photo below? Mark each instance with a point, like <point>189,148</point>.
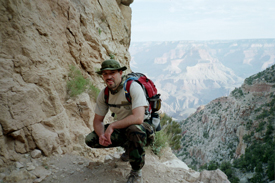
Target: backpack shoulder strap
<point>126,87</point>
<point>106,95</point>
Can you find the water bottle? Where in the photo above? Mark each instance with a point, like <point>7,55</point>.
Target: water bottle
<point>156,121</point>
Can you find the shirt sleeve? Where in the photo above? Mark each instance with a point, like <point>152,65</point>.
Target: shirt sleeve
<point>101,108</point>
<point>138,96</point>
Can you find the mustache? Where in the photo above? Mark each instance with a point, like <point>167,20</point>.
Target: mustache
<point>109,80</point>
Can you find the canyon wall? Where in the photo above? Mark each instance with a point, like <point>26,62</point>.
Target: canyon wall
<point>40,40</point>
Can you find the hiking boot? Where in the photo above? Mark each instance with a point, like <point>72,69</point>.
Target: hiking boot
<point>135,176</point>
<point>125,156</point>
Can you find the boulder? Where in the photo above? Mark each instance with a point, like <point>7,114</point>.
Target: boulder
<point>214,176</point>
<point>45,139</point>
<point>36,153</point>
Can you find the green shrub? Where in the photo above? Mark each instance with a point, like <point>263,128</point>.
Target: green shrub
<point>173,131</point>
<point>271,167</point>
<point>93,91</point>
<point>260,127</point>
<point>161,141</point>
<point>212,165</point>
<point>112,56</point>
<point>269,131</point>
<point>258,155</point>
<point>247,138</point>
<point>267,75</point>
<point>206,134</point>
<point>264,114</point>
<point>170,135</point>
<point>204,167</point>
<point>226,167</point>
<point>77,84</point>
<point>257,178</point>
<point>237,93</point>
<point>249,125</point>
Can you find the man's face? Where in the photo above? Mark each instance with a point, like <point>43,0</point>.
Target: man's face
<point>112,78</point>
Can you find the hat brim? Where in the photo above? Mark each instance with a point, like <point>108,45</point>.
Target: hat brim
<point>111,69</point>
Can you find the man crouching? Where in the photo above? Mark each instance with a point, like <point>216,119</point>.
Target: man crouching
<point>130,130</point>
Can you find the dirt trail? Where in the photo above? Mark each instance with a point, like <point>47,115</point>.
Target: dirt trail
<point>75,168</point>
<point>104,167</point>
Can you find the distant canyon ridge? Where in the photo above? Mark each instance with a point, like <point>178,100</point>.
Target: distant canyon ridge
<point>189,74</point>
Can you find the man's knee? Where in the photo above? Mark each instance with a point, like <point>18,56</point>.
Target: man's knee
<point>136,133</point>
<point>91,139</point>
<point>87,140</point>
<point>135,129</point>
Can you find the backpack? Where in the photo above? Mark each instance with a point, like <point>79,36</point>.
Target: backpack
<point>150,92</point>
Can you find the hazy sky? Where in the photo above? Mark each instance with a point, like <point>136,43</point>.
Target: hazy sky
<point>174,20</point>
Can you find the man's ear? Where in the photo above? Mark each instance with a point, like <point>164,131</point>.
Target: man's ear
<point>120,72</point>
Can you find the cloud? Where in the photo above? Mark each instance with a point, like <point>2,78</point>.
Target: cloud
<point>172,9</point>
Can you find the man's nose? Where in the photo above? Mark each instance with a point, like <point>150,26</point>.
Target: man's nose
<point>108,76</point>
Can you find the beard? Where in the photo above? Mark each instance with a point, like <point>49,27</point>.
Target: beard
<point>112,85</point>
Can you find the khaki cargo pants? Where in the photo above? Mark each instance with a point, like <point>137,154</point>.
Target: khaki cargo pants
<point>134,138</point>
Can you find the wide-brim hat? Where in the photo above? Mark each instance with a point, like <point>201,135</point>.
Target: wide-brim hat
<point>110,64</point>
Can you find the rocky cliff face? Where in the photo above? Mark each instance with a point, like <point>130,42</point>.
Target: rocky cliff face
<point>220,131</point>
<point>40,40</point>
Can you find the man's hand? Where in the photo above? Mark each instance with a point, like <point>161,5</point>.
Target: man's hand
<point>105,137</point>
<point>108,133</point>
<point>103,140</point>
<point>99,129</point>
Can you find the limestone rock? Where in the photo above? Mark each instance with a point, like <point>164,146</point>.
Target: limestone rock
<point>19,176</point>
<point>40,40</point>
<point>36,153</point>
<point>215,176</point>
<point>176,163</point>
<point>18,165</point>
<point>108,158</point>
<point>30,166</point>
<point>127,2</point>
<point>45,139</point>
<point>41,173</point>
<point>127,14</point>
<point>2,176</point>
<point>241,146</point>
